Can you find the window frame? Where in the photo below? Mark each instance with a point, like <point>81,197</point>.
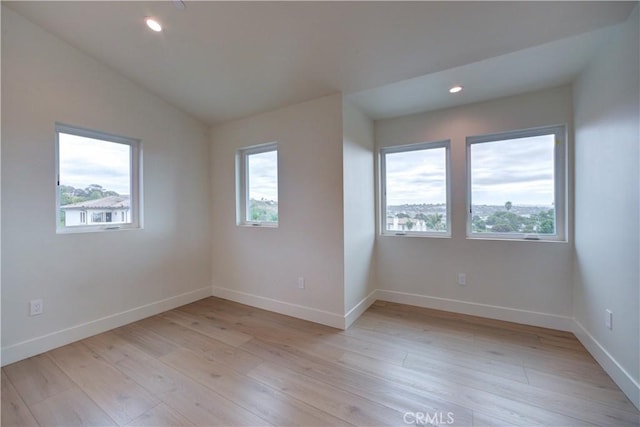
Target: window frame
<point>560,183</point>
<point>242,181</point>
<point>135,179</point>
<point>420,146</point>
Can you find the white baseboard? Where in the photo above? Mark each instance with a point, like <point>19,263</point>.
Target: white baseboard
<point>359,308</point>
<point>31,347</point>
<point>311,314</point>
<point>533,318</point>
<point>620,376</point>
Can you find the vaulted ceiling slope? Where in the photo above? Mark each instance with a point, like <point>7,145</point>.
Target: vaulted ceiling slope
<point>225,60</point>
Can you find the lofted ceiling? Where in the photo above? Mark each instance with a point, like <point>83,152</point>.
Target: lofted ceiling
<point>225,60</point>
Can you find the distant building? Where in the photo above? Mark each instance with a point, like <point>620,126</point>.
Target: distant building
<point>108,210</point>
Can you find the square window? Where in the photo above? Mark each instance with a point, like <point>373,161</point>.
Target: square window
<point>415,195</point>
<point>516,185</point>
<point>258,185</point>
<point>97,175</point>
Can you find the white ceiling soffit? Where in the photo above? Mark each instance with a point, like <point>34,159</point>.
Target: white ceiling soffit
<point>226,60</point>
<point>548,65</point>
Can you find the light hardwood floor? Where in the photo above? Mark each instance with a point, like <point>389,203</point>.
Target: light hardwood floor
<point>215,362</point>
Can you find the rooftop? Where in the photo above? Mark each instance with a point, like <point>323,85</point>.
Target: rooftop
<point>110,202</point>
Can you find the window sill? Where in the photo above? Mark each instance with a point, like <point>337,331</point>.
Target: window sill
<point>78,230</point>
<point>258,225</point>
<point>515,239</point>
<point>422,235</point>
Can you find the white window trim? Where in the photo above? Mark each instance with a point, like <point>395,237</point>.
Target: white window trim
<point>446,144</point>
<point>560,183</point>
<point>242,193</point>
<point>136,179</point>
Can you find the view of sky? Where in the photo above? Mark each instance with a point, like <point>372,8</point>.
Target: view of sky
<point>517,170</point>
<point>85,161</point>
<point>263,175</point>
<point>416,177</point>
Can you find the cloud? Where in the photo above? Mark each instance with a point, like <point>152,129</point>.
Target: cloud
<point>517,170</point>
<point>416,177</point>
<point>86,161</point>
<point>263,176</point>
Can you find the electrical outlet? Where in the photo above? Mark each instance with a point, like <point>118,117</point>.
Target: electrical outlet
<point>301,284</point>
<point>462,279</point>
<point>36,307</point>
<point>608,319</point>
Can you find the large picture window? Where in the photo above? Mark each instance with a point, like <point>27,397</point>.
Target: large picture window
<point>97,180</point>
<point>258,185</point>
<point>415,189</point>
<point>516,185</point>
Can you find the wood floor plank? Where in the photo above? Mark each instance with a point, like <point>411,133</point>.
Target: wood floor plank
<point>14,411</point>
<point>120,397</point>
<point>161,415</point>
<point>151,343</point>
<point>390,394</point>
<point>71,407</point>
<point>37,378</point>
<point>183,336</point>
<point>347,406</point>
<point>582,389</point>
<point>464,365</point>
<point>219,363</point>
<point>250,394</point>
<point>199,404</point>
<point>546,406</point>
<point>221,333</point>
<point>380,351</point>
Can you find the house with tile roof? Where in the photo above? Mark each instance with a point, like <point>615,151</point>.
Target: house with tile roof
<point>107,210</point>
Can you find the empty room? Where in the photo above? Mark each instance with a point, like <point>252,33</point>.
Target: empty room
<point>320,213</point>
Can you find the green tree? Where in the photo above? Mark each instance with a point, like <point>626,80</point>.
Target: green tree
<point>508,206</point>
<point>420,217</point>
<point>478,224</point>
<point>434,221</point>
<point>257,213</point>
<point>502,227</point>
<point>504,222</point>
<point>409,224</point>
<point>545,222</point>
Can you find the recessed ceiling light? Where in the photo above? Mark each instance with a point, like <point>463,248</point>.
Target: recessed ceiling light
<point>455,89</point>
<point>153,24</point>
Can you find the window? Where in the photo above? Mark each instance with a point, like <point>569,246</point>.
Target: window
<point>96,173</point>
<point>516,184</point>
<point>258,185</point>
<point>415,189</point>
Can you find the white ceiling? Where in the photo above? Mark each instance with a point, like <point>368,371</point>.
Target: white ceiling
<point>226,60</point>
<point>548,65</point>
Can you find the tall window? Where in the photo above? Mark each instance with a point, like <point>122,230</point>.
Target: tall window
<point>516,184</point>
<point>415,189</point>
<point>258,185</point>
<point>96,173</point>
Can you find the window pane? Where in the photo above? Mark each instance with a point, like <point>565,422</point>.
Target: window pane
<point>416,190</point>
<point>262,187</point>
<point>95,181</point>
<point>512,185</point>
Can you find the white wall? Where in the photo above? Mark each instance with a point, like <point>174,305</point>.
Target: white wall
<point>260,265</point>
<point>359,208</point>
<point>523,281</point>
<point>606,98</point>
<point>88,280</point>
